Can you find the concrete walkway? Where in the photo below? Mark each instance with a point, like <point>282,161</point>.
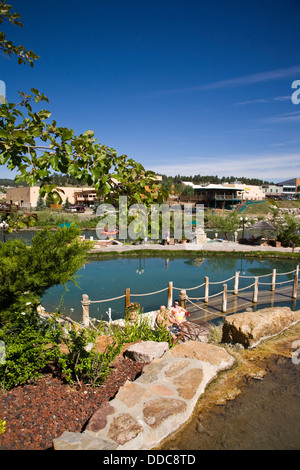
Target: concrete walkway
<point>211,246</point>
<point>155,405</point>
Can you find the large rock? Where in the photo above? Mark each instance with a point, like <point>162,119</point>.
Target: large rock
<point>249,328</point>
<point>146,351</point>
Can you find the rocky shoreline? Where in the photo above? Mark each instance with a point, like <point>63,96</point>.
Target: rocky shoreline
<point>165,395</point>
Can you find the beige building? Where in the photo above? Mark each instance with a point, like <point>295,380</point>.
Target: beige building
<point>27,197</point>
<point>252,192</point>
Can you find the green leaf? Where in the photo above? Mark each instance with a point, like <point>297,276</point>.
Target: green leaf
<point>89,134</point>
<point>67,134</point>
<point>68,148</point>
<point>44,114</point>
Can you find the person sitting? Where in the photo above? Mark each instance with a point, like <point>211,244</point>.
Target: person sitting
<point>166,319</point>
<point>189,331</point>
<point>179,312</point>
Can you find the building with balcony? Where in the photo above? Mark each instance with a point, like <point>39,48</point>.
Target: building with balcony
<point>224,196</point>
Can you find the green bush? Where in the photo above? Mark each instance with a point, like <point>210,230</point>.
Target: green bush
<point>53,258</point>
<point>83,365</point>
<point>289,232</point>
<point>30,346</point>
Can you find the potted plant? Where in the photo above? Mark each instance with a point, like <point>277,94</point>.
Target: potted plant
<point>132,311</point>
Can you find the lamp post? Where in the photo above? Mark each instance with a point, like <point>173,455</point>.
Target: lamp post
<point>243,219</point>
<point>3,226</point>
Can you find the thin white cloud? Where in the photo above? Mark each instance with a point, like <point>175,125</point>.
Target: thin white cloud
<point>286,117</point>
<point>261,77</point>
<point>263,100</point>
<point>264,166</point>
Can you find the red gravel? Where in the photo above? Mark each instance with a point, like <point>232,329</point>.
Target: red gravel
<point>37,413</point>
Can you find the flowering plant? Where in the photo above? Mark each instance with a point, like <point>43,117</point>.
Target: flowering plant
<point>133,306</point>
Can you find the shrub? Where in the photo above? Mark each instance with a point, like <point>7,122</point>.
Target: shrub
<point>81,364</point>
<point>29,347</point>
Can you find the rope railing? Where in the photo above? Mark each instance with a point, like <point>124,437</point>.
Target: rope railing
<point>207,297</point>
<point>149,293</point>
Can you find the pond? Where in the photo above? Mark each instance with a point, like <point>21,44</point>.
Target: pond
<point>107,279</point>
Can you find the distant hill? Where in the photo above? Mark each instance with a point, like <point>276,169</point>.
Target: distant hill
<point>9,182</point>
<point>200,179</point>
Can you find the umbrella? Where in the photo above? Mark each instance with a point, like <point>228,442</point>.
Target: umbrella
<point>263,225</point>
<point>66,224</point>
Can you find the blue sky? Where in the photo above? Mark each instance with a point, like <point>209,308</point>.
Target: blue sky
<point>182,86</point>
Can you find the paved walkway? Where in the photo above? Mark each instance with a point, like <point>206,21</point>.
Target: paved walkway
<point>211,246</point>
<point>156,404</point>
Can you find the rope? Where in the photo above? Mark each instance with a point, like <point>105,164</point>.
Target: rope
<point>204,309</point>
<point>247,287</point>
<point>285,282</point>
<point>265,275</point>
<point>106,300</point>
<point>284,274</point>
<point>220,282</point>
<point>149,293</point>
<point>189,288</point>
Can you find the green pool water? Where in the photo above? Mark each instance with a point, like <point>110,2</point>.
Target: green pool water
<point>109,278</point>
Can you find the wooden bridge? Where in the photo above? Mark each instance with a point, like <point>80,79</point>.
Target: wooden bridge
<point>203,312</point>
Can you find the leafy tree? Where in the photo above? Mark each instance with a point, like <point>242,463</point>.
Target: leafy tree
<point>40,205</point>
<point>36,147</point>
<point>8,47</point>
<point>227,224</point>
<point>26,272</point>
<point>67,204</point>
<point>289,232</point>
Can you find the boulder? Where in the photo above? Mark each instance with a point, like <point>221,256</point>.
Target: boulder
<point>249,328</point>
<point>146,351</point>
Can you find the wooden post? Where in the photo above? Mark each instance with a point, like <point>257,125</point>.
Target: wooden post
<point>170,294</point>
<point>127,298</point>
<point>206,289</point>
<point>255,290</point>
<point>182,297</point>
<point>273,285</point>
<point>295,286</point>
<point>85,310</point>
<point>236,283</point>
<point>297,270</point>
<point>224,298</point>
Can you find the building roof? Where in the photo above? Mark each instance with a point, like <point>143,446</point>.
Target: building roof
<point>291,182</point>
<point>230,187</point>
